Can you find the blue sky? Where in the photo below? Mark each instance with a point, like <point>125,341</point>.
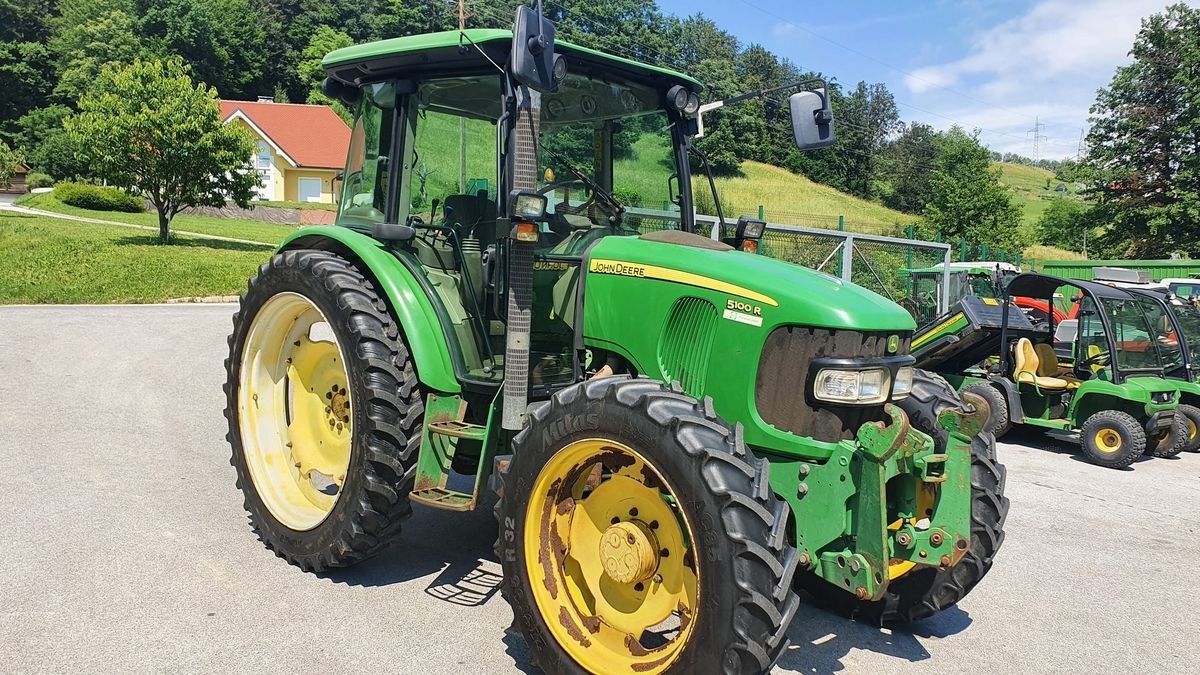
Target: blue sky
<point>994,65</point>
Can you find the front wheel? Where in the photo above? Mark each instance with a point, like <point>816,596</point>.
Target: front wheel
<point>1113,439</point>
<point>324,411</point>
<point>638,535</point>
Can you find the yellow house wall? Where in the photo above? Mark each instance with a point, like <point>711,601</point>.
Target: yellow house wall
<point>292,183</point>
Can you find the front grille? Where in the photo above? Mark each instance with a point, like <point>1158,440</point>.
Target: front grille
<point>781,388</point>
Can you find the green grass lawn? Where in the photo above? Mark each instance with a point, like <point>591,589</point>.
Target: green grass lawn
<point>48,260</point>
<point>1028,187</point>
<point>252,230</point>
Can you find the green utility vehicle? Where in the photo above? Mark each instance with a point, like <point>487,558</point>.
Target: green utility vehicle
<point>681,433</point>
<point>1176,324</point>
<point>929,287</point>
<point>1103,387</point>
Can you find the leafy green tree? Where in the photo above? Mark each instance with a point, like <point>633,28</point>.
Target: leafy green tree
<point>25,20</point>
<point>1145,139</point>
<point>90,34</point>
<point>25,81</point>
<point>223,40</point>
<point>43,139</point>
<point>148,128</point>
<point>967,199</point>
<point>312,74</point>
<point>1064,223</point>
<point>907,165</point>
<point>864,121</point>
<point>9,159</point>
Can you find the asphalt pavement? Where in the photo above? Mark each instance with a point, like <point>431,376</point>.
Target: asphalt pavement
<point>125,546</point>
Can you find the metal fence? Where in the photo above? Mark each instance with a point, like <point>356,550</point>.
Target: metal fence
<point>872,261</point>
<point>869,260</point>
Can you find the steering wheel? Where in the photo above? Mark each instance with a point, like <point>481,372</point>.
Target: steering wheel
<point>593,209</point>
<point>1102,359</point>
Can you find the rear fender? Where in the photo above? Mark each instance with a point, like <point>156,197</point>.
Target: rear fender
<point>414,311</point>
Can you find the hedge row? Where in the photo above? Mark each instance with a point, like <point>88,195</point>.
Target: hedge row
<point>97,198</point>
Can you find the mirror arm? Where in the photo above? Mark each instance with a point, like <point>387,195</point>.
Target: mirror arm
<point>712,184</point>
<point>817,85</point>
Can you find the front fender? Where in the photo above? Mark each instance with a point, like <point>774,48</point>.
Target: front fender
<point>412,308</point>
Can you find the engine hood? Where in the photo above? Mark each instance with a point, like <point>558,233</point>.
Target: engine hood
<point>790,294</point>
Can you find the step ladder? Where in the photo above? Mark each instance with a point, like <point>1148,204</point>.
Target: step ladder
<point>444,428</point>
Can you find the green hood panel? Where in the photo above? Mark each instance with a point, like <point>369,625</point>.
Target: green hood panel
<point>787,293</point>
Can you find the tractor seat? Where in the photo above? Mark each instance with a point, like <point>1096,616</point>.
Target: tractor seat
<point>1028,369</point>
<point>1048,365</point>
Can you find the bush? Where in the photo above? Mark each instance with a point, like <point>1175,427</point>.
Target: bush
<point>37,180</point>
<point>97,198</point>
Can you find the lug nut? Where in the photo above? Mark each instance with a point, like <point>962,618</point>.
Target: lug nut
<point>804,469</point>
<point>904,539</point>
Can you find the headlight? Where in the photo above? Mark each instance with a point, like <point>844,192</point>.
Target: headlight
<point>903,386</point>
<point>862,387</point>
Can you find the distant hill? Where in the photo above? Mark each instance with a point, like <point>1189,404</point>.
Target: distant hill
<point>1028,186</point>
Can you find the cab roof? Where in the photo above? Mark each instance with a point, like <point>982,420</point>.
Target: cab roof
<point>451,53</point>
<point>1033,285</point>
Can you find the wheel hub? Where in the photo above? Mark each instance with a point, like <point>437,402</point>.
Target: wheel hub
<point>628,552</point>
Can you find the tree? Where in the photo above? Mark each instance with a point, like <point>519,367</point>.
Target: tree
<point>25,81</point>
<point>148,128</point>
<point>1064,223</point>
<point>90,34</point>
<point>966,197</point>
<point>43,139</point>
<point>907,165</point>
<point>223,41</point>
<point>1144,142</point>
<point>312,74</point>
<point>864,121</point>
<point>9,159</point>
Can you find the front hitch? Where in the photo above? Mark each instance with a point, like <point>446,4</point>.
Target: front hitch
<point>911,503</point>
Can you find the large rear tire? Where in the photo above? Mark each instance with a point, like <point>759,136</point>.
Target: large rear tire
<point>324,411</point>
<point>637,534</point>
<point>925,591</point>
<point>1112,439</point>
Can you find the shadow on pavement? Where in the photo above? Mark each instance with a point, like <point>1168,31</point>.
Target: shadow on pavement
<point>183,241</point>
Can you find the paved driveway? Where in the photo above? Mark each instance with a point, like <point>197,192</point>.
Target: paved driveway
<point>126,548</point>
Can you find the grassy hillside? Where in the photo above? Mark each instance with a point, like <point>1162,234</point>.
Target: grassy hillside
<point>1028,186</point>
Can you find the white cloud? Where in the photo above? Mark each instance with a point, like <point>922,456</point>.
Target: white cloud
<point>1047,63</point>
<point>782,29</point>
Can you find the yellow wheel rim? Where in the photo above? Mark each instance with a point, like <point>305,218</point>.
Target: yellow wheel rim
<point>610,559</point>
<point>1108,441</point>
<point>294,411</point>
<point>926,497</point>
<point>1192,430</point>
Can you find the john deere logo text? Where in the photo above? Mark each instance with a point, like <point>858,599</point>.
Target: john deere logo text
<point>893,343</point>
<point>609,267</point>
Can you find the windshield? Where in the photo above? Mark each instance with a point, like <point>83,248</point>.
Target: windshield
<point>605,161</point>
<point>1188,317</point>
<point>1141,332</point>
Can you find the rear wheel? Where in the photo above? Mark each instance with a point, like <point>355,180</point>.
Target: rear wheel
<point>324,411</point>
<point>1169,443</point>
<point>1192,426</point>
<point>638,535</point>
<point>999,421</point>
<point>916,593</point>
<point>1112,438</point>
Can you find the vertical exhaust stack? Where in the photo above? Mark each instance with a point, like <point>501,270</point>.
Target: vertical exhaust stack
<point>524,157</point>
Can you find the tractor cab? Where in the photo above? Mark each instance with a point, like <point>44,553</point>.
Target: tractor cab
<point>930,287</point>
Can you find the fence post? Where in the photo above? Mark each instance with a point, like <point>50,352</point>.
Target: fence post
<point>760,213</point>
<point>938,237</point>
<point>962,250</point>
<point>847,258</point>
<point>841,223</point>
<point>983,252</point>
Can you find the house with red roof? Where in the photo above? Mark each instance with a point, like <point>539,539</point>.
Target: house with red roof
<point>301,148</point>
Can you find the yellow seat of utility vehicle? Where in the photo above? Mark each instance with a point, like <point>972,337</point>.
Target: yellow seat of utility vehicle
<point>1039,366</point>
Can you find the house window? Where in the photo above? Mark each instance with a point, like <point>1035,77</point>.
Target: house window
<point>262,161</point>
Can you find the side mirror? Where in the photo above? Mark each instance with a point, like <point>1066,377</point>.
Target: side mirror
<point>673,192</point>
<point>534,63</point>
<point>812,119</point>
<point>340,91</point>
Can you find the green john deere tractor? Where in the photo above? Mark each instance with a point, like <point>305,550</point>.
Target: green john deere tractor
<point>1176,325</point>
<point>681,433</point>
<point>1096,380</point>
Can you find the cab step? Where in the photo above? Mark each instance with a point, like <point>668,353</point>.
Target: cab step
<point>444,429</point>
<point>458,429</point>
<point>443,498</point>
